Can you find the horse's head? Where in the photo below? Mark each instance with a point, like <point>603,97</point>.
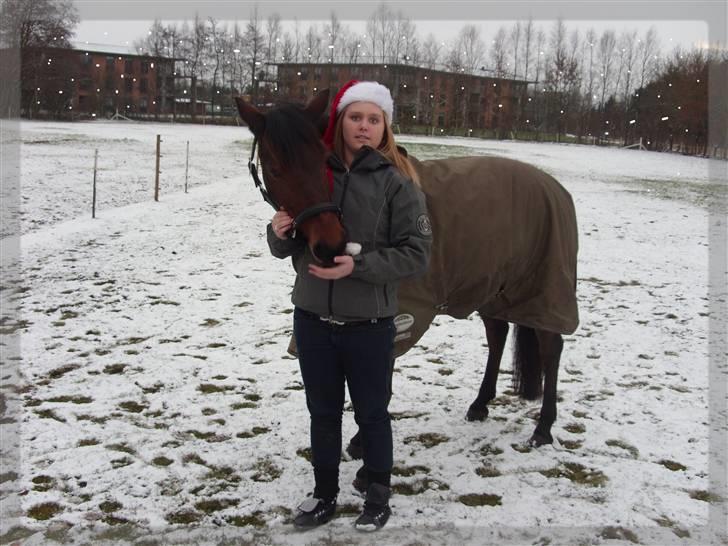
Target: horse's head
<point>293,160</point>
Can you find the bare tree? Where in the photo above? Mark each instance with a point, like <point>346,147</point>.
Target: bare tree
<point>528,39</point>
<point>498,53</point>
<point>312,45</point>
<point>333,31</point>
<point>381,32</point>
<point>273,33</point>
<point>254,41</point>
<point>431,52</point>
<point>605,52</point>
<point>515,39</point>
<point>540,53</point>
<point>37,23</point>
<point>407,43</point>
<point>472,47</point>
<point>646,53</point>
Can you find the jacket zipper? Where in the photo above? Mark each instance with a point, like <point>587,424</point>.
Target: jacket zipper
<point>341,208</point>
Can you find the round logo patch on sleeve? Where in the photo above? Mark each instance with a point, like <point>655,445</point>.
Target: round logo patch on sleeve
<point>423,225</point>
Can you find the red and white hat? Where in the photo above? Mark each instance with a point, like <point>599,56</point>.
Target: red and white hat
<point>356,91</point>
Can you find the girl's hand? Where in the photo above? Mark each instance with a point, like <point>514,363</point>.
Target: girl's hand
<point>281,223</point>
<point>344,267</point>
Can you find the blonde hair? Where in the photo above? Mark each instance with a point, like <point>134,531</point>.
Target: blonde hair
<point>388,148</point>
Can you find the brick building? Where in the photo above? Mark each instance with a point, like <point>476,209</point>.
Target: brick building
<point>421,96</point>
<point>94,81</point>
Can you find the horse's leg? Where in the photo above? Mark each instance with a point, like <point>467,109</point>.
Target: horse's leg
<point>496,332</point>
<point>549,350</point>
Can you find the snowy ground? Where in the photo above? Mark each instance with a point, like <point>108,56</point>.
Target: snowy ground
<point>154,398</point>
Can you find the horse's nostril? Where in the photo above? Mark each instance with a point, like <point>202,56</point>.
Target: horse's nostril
<point>325,253</point>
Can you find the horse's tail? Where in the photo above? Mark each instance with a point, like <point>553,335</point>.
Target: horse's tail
<point>527,370</point>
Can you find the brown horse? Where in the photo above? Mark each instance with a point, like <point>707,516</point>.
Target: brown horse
<point>504,246</point>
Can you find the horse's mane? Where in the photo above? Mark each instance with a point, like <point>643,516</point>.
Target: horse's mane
<point>295,136</point>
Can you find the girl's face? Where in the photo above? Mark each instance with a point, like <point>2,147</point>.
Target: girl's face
<point>362,125</point>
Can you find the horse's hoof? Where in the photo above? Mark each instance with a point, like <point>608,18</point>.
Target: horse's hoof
<point>538,440</point>
<point>476,414</point>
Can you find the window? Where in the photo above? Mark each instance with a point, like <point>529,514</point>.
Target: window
<point>128,66</point>
<point>143,85</point>
<point>143,106</point>
<point>110,62</point>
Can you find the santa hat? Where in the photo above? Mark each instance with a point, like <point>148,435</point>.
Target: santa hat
<point>356,91</point>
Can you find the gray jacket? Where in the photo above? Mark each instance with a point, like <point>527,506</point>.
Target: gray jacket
<point>385,213</point>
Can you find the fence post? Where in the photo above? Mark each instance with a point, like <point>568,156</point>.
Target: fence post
<point>156,173</point>
<point>187,164</point>
<point>93,199</point>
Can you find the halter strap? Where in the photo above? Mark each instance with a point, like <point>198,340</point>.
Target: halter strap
<point>306,214</point>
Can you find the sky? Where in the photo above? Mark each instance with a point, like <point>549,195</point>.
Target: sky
<point>686,34</point>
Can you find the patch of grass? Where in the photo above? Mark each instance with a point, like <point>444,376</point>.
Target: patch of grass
<point>296,387</point>
<point>633,451</point>
<point>209,388</point>
<point>619,533</point>
<point>208,323</point>
<point>108,507</point>
<point>224,473</point>
<point>571,445</point>
<point>251,520</point>
<point>124,448</point>
<point>705,496</point>
<point>444,371</point>
<point>427,439</point>
<point>63,370</point>
<point>575,428</point>
<point>419,486</point>
<point>216,345</point>
<point>348,509</point>
<point>42,483</point>
<point>113,369</point>
<point>114,520</point>
<point>521,448</point>
<point>92,418</point>
<point>488,472</point>
<point>489,451</point>
<point>243,405</point>
<point>133,407</point>
<point>162,461</point>
<point>208,411</point>
<point>185,516</point>
<point>407,471</point>
<point>672,465</point>
<point>252,397</point>
<point>266,471</point>
<point>256,431</point>
<point>480,499</point>
<point>215,505</point>
<point>44,511</point>
<point>73,399</point>
<point>32,402</point>
<point>133,340</point>
<point>49,414</point>
<point>578,474</point>
<point>664,521</point>
<point>399,415</point>
<point>304,452</point>
<point>209,436</point>
<point>88,442</point>
<point>193,458</point>
<point>120,463</point>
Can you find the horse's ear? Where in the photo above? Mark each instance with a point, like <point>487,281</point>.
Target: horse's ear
<point>251,116</point>
<point>316,108</point>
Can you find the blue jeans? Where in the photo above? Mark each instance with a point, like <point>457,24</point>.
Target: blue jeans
<point>361,356</point>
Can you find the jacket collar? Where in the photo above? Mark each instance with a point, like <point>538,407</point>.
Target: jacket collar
<point>366,159</point>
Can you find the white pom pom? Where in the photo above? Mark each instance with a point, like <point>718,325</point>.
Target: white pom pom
<point>353,249</point>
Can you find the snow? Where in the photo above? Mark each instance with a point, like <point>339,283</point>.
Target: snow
<point>160,330</point>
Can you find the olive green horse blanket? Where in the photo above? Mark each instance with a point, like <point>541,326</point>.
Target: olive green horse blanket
<point>504,244</point>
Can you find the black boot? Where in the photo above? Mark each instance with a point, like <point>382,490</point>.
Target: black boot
<point>314,512</point>
<point>376,508</point>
